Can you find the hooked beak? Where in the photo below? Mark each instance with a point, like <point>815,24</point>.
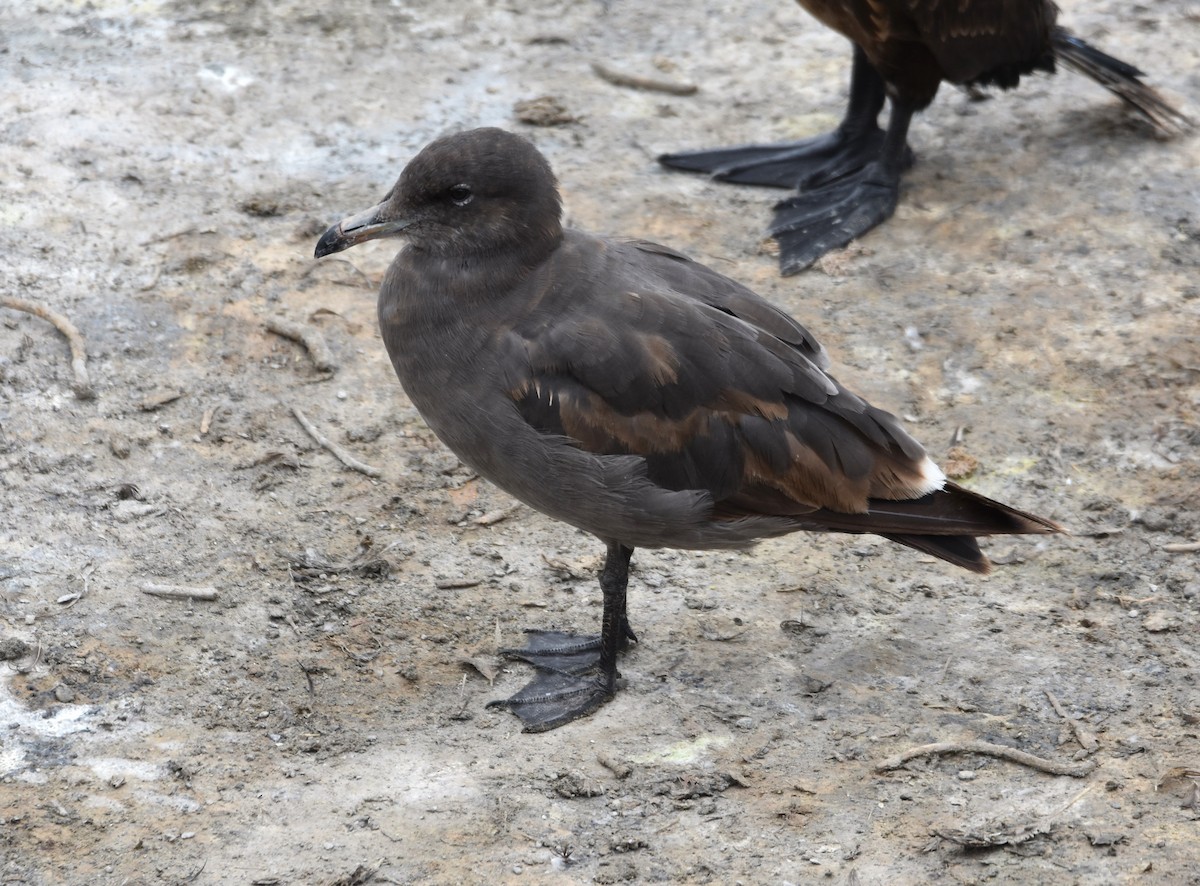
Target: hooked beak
<point>357,228</point>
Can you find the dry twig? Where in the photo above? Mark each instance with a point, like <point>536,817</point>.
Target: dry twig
<point>83,384</point>
<point>206,420</point>
<point>342,455</point>
<point>453,584</point>
<point>176,592</point>
<point>1086,740</point>
<point>1187,547</point>
<point>86,575</point>
<point>619,78</point>
<point>310,337</point>
<point>491,518</point>
<point>1075,770</point>
<point>619,768</point>
<point>159,399</point>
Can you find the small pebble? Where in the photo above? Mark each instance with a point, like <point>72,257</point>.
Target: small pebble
<point>64,693</point>
<point>966,775</point>
<point>517,868</point>
<point>1157,622</point>
<point>119,445</point>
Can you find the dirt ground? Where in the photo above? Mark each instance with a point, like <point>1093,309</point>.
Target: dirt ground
<point>165,169</point>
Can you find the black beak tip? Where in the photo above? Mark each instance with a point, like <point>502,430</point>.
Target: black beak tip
<point>331,241</point>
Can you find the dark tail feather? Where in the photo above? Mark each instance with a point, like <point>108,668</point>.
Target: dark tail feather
<point>951,510</point>
<point>961,550</point>
<point>1121,79</point>
<point>943,523</point>
<point>961,511</point>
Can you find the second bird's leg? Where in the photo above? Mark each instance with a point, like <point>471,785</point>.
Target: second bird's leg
<point>829,215</point>
<point>809,162</point>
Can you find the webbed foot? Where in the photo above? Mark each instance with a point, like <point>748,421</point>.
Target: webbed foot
<point>828,217</point>
<point>803,164</point>
<point>552,699</point>
<point>575,673</point>
<point>570,682</point>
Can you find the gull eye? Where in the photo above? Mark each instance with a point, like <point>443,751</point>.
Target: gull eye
<point>460,195</point>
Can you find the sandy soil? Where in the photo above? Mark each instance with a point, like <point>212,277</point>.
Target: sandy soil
<point>165,169</point>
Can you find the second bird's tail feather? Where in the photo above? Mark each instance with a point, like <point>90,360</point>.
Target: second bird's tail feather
<point>1121,79</point>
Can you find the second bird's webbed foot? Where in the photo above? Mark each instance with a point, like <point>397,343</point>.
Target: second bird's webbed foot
<point>828,217</point>
<point>799,164</point>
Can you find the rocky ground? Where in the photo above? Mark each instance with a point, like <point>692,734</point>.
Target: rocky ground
<point>1032,310</point>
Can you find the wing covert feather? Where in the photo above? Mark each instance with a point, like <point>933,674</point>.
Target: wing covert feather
<point>714,387</point>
